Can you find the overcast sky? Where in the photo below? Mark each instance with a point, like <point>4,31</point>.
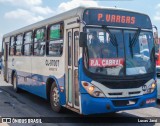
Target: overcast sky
<point>15,14</point>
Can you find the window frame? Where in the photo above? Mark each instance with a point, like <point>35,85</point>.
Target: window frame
<point>48,38</point>
<point>19,44</point>
<point>76,46</point>
<point>45,38</point>
<point>11,46</point>
<point>70,47</point>
<point>28,43</point>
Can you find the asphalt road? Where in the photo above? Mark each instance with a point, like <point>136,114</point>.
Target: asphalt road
<point>25,104</point>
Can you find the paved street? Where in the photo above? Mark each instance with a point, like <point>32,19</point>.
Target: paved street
<point>28,105</point>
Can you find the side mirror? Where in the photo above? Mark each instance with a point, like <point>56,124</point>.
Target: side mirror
<point>83,39</point>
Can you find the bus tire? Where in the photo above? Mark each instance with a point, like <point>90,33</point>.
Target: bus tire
<point>54,98</point>
<point>15,83</point>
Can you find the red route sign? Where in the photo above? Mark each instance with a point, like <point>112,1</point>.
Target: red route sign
<point>111,62</point>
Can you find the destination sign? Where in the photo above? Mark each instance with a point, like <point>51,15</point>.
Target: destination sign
<point>117,18</point>
<point>111,62</point>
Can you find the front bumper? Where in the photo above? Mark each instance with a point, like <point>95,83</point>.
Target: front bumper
<point>92,105</point>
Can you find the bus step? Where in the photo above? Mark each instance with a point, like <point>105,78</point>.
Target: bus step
<point>73,109</point>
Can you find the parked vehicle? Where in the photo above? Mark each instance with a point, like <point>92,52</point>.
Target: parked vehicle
<point>89,60</point>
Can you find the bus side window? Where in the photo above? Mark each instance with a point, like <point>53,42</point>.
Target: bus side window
<point>55,40</point>
<point>18,45</point>
<point>27,45</point>
<point>12,46</point>
<point>39,42</point>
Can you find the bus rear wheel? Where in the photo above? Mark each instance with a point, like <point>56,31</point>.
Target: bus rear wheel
<point>54,98</point>
<point>15,83</point>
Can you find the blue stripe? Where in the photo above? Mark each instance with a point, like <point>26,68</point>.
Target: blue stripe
<point>36,84</point>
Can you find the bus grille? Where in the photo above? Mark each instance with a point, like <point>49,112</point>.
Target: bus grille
<point>124,84</point>
<point>119,94</point>
<point>120,103</point>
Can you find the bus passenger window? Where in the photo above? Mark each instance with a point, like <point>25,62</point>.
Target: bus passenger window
<point>12,46</point>
<point>39,42</point>
<point>55,37</point>
<point>27,45</point>
<point>18,45</point>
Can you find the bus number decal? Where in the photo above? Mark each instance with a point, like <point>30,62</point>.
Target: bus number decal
<point>52,63</point>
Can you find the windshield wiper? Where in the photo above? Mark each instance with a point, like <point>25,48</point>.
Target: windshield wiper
<point>112,37</point>
<point>134,40</point>
<point>110,66</point>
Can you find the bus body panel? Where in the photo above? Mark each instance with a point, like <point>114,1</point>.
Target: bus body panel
<point>34,80</point>
<point>91,105</point>
<point>27,82</point>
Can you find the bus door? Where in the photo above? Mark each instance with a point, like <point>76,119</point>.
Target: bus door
<point>6,52</point>
<point>72,70</point>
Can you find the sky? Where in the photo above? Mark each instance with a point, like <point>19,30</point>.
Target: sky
<point>15,14</point>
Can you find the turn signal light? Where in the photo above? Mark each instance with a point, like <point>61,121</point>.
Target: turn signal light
<point>85,84</point>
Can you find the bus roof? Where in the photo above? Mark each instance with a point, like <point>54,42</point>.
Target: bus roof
<point>60,17</point>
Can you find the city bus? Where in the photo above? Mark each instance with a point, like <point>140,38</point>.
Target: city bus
<point>88,60</point>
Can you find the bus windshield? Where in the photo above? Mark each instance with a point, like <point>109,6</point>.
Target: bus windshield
<point>118,52</point>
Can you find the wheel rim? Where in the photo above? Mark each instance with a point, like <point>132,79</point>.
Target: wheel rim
<point>55,96</point>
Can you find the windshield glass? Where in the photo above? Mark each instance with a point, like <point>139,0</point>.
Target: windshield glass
<point>104,56</point>
<point>139,55</point>
<point>105,52</point>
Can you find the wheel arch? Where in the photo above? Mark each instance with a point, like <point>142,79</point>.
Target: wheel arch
<point>12,74</point>
<point>49,83</point>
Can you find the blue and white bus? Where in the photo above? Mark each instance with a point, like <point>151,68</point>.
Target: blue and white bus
<point>89,60</point>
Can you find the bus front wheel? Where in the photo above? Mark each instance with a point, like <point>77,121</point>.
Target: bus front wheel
<point>54,98</point>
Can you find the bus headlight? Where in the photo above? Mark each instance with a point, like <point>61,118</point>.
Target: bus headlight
<point>151,88</point>
<point>92,90</point>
